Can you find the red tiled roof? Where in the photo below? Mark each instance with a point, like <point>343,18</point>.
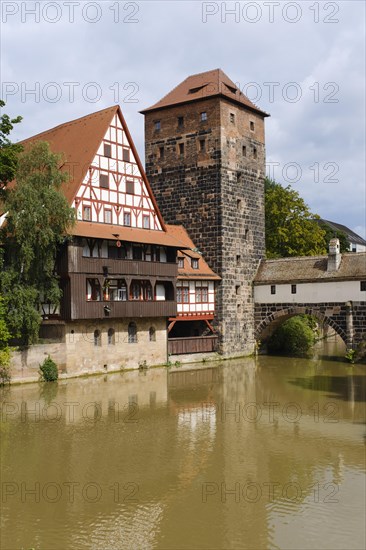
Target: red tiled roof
<point>188,272</point>
<point>203,86</point>
<point>128,234</point>
<point>79,141</point>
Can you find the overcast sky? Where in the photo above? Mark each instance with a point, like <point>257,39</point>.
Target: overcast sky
<point>302,62</point>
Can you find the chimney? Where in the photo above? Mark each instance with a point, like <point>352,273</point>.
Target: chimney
<point>334,255</point>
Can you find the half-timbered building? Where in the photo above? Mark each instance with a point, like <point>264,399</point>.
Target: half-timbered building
<point>118,272</point>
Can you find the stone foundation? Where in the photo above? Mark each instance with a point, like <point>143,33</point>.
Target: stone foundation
<point>77,354</point>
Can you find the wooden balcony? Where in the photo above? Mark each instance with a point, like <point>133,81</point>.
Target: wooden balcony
<point>83,309</point>
<point>192,344</point>
<point>72,261</point>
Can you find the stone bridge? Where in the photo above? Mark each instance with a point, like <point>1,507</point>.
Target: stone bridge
<point>347,319</point>
<point>331,288</point>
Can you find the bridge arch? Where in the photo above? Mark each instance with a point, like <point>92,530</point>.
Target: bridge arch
<point>276,318</point>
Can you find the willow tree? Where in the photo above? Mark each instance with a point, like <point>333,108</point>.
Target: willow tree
<point>37,222</point>
<point>291,229</point>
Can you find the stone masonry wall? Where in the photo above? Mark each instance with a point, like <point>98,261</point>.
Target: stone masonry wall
<point>218,195</point>
<point>76,354</point>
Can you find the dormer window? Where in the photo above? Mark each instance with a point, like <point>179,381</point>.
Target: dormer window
<point>194,263</point>
<point>203,116</point>
<point>180,262</point>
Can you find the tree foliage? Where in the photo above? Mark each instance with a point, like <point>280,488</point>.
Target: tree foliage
<point>291,229</point>
<point>4,345</point>
<point>8,151</point>
<point>38,218</point>
<point>331,234</point>
<point>294,337</point>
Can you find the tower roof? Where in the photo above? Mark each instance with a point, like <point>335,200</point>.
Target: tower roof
<point>204,86</point>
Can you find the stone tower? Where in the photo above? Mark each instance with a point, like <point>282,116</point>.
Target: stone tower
<point>205,160</point>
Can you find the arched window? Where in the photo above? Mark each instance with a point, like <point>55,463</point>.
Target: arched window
<point>152,334</point>
<point>132,333</point>
<point>97,338</point>
<point>111,337</point>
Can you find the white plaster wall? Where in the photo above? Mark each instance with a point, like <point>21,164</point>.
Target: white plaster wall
<point>337,291</point>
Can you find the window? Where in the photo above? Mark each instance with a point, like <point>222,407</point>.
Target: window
<point>107,150</point>
<point>232,118</point>
<point>180,121</point>
<point>273,289</point>
<point>126,154</point>
<point>97,338</point>
<point>239,204</point>
<point>130,187</point>
<point>107,216</point>
<point>180,262</point>
<point>93,290</point>
<point>161,152</point>
<point>122,292</point>
<point>237,290</point>
<point>132,333</point>
<point>181,149</point>
<point>147,291</point>
<point>137,252</point>
<point>87,213</point>
<point>239,177</point>
<point>202,145</point>
<point>251,124</point>
<point>293,289</point>
<point>238,258</point>
<point>363,285</point>
<point>136,291</point>
<point>182,294</point>
<point>194,263</point>
<point>146,222</point>
<point>127,218</point>
<point>157,126</point>
<point>111,337</point>
<point>152,334</point>
<point>201,294</point>
<point>104,181</point>
<point>244,151</point>
<point>254,152</point>
<point>203,116</point>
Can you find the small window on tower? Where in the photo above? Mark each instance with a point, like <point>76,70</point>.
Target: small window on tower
<point>254,152</point>
<point>244,151</point>
<point>273,289</point>
<point>202,145</point>
<point>180,121</point>
<point>107,150</point>
<point>181,149</point>
<point>161,152</point>
<point>127,218</point>
<point>104,181</point>
<point>363,285</point>
<point>203,116</point>
<point>232,118</point>
<point>238,259</point>
<point>157,126</point>
<point>87,213</point>
<point>130,187</point>
<point>126,154</point>
<point>252,126</point>
<point>293,289</point>
<point>239,204</point>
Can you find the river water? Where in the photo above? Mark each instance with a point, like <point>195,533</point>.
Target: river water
<point>247,454</point>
